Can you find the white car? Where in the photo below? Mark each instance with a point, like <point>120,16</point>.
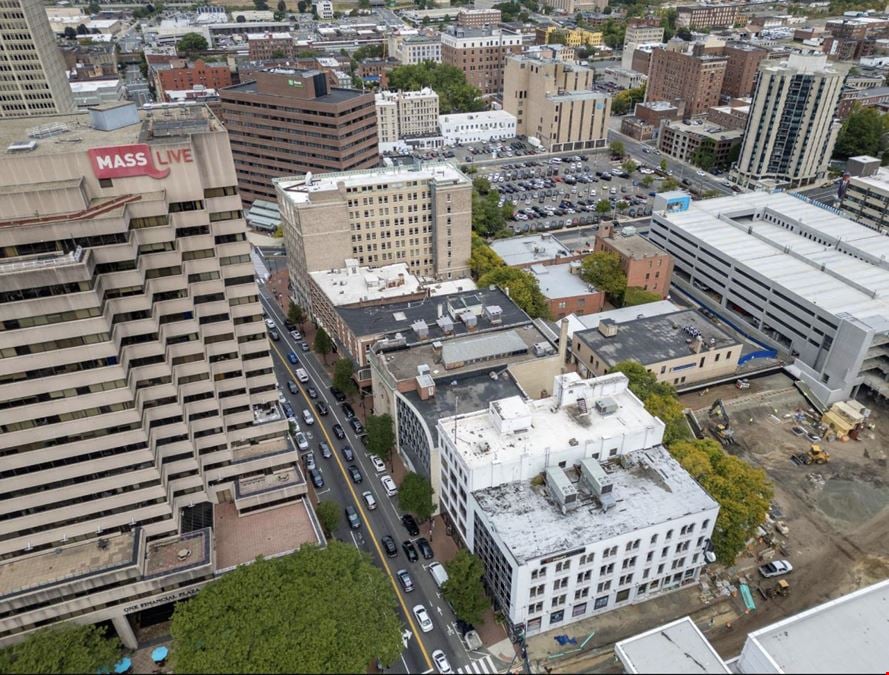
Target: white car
<point>701,172</point>
<point>307,417</point>
<point>296,335</point>
<point>776,568</point>
<point>389,485</point>
<point>270,323</point>
<point>379,466</point>
<point>441,662</point>
<point>301,441</point>
<point>369,500</point>
<point>422,617</point>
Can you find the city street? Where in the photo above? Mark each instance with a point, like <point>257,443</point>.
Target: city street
<point>385,519</point>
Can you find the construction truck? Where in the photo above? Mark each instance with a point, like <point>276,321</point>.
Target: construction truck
<point>816,455</point>
<point>782,588</point>
<point>720,426</point>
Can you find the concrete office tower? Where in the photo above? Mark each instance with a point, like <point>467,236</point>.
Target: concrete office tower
<point>553,102</point>
<point>791,130</point>
<point>639,33</point>
<point>417,215</point>
<point>405,114</point>
<point>481,54</point>
<point>135,378</point>
<point>32,71</point>
<point>679,72</point>
<point>287,121</point>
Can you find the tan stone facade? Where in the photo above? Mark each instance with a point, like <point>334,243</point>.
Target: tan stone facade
<point>481,54</point>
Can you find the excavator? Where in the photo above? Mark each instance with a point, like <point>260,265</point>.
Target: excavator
<point>720,426</point>
<point>816,455</point>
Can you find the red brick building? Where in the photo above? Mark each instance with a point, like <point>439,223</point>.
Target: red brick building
<point>740,69</point>
<point>678,75</point>
<point>182,75</point>
<point>262,46</point>
<point>645,265</point>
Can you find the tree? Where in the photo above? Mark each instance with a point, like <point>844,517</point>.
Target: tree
<point>241,19</point>
<point>70,33</point>
<point>322,344</point>
<point>329,516</point>
<point>319,610</point>
<point>622,206</point>
<point>295,314</point>
<point>483,258</point>
<point>524,290</point>
<point>860,134</point>
<point>603,206</point>
<point>669,183</point>
<point>380,435</point>
<point>667,408</point>
<point>488,217</point>
<point>279,232</point>
<point>64,648</point>
<point>639,296</point>
<point>455,95</point>
<point>602,269</point>
<point>625,101</point>
<point>647,180</point>
<point>663,165</point>
<point>742,491</point>
<point>629,166</point>
<point>281,6</point>
<point>642,383</point>
<point>191,43</point>
<point>617,148</point>
<point>302,6</point>
<point>261,5</point>
<point>705,155</point>
<point>464,590</point>
<point>343,370</point>
<point>557,37</point>
<point>415,496</point>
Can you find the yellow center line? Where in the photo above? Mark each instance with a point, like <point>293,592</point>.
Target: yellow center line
<point>358,503</point>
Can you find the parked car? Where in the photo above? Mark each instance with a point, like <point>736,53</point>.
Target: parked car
<point>313,393</point>
<point>322,408</point>
<point>389,485</point>
<point>410,550</point>
<point>348,454</point>
<point>291,386</point>
<point>356,425</point>
<point>378,464</point>
<point>355,474</point>
<point>288,410</point>
<point>389,546</point>
<point>291,356</point>
<point>352,517</point>
<point>337,394</point>
<point>296,335</point>
<point>309,459</point>
<point>422,617</point>
<point>274,335</point>
<point>410,524</point>
<point>338,431</point>
<point>425,549</point>
<point>369,500</point>
<point>348,411</point>
<point>405,579</point>
<point>304,346</point>
<point>308,418</point>
<point>317,478</point>
<point>776,568</point>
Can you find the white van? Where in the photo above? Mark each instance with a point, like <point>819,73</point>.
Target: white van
<point>302,375</point>
<point>438,573</point>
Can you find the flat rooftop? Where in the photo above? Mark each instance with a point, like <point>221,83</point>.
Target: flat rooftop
<point>677,647</point>
<point>634,246</point>
<point>298,192</point>
<point>65,563</point>
<point>654,339</point>
<point>654,489</point>
<point>559,281</point>
<point>333,95</point>
<point>707,129</point>
<point>846,272</point>
<point>186,550</point>
<point>579,240</point>
<point>277,531</point>
<point>480,442</point>
<point>531,249</point>
<point>400,317</point>
<point>75,133</point>
<point>580,322</point>
<point>846,635</point>
<point>353,284</point>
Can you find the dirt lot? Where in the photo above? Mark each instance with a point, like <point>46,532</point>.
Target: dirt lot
<point>836,514</point>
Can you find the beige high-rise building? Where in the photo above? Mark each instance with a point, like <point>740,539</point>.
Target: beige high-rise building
<point>553,102</point>
<point>421,216</point>
<point>406,114</point>
<point>137,389</point>
<point>32,71</point>
<point>639,33</point>
<point>792,126</point>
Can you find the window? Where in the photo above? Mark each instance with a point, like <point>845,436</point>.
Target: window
<point>601,602</point>
<point>578,610</point>
<point>556,616</point>
<point>623,595</point>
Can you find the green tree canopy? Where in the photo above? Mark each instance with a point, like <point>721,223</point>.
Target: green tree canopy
<point>380,435</point>
<point>302,6</point>
<point>622,205</point>
<point>70,33</point>
<point>322,344</point>
<point>861,134</point>
<point>93,7</point>
<point>261,5</point>
<point>557,37</point>
<point>669,183</point>
<point>617,148</point>
<point>629,166</point>
<point>319,610</point>
<point>602,269</point>
<point>647,180</point>
<point>415,496</point>
<point>295,313</point>
<point>455,95</point>
<point>743,492</point>
<point>625,101</point>
<point>343,370</point>
<point>669,410</point>
<point>483,258</point>
<point>523,289</point>
<point>191,43</point>
<point>488,217</point>
<point>328,515</point>
<point>639,296</point>
<point>463,589</point>
<point>642,383</point>
<point>705,155</point>
<point>281,6</point>
<point>603,206</point>
<point>64,648</point>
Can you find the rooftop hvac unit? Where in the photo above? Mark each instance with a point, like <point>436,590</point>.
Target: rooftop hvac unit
<point>599,483</point>
<point>423,369</point>
<point>561,489</point>
<point>543,349</point>
<point>421,329</point>
<point>606,406</point>
<point>607,327</point>
<point>469,319</point>
<point>446,324</point>
<point>627,231</point>
<point>493,313</point>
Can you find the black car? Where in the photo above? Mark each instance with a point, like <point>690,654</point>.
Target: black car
<point>338,431</point>
<point>288,409</point>
<point>289,325</point>
<point>356,425</point>
<point>348,454</point>
<point>356,478</point>
<point>313,393</point>
<point>410,551</point>
<point>389,546</point>
<point>291,385</point>
<point>352,517</point>
<point>410,524</point>
<point>337,394</point>
<point>322,408</point>
<point>348,411</point>
<point>425,548</point>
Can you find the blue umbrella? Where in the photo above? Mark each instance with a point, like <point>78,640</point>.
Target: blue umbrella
<point>159,654</point>
<point>123,665</point>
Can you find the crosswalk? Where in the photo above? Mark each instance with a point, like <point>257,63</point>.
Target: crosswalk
<point>481,666</point>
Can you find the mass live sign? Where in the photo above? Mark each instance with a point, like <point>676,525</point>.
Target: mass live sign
<point>123,161</point>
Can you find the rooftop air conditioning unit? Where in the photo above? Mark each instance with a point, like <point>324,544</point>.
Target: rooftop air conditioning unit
<point>561,489</point>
